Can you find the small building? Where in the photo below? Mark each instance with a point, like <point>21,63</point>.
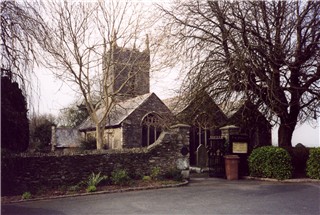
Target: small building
<point>138,116</point>
<point>135,122</point>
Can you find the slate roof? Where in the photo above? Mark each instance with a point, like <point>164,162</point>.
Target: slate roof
<point>67,137</point>
<point>177,105</point>
<point>118,114</point>
<point>231,107</point>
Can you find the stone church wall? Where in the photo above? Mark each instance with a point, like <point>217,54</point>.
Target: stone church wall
<point>26,172</point>
<point>132,126</point>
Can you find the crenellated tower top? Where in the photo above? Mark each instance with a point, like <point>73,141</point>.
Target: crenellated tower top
<point>127,70</point>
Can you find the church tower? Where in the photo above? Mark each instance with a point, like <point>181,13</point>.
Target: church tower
<point>127,71</point>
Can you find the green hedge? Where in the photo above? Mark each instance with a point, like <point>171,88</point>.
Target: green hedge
<point>270,162</point>
<point>313,164</point>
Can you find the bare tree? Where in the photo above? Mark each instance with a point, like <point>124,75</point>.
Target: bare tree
<point>21,25</point>
<point>87,46</point>
<point>266,52</point>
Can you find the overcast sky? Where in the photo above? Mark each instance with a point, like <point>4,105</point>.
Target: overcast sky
<point>56,95</point>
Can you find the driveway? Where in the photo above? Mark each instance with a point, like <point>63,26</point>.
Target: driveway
<point>209,196</point>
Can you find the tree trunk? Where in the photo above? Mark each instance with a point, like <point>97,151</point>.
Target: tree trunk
<point>99,133</point>
<point>285,134</point>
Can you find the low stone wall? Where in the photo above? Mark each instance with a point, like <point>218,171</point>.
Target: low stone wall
<point>23,173</point>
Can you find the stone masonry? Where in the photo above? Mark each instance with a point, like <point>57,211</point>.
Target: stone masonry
<point>24,172</point>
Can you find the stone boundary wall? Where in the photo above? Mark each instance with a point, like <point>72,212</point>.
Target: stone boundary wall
<point>27,172</point>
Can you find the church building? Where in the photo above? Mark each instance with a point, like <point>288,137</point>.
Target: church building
<point>139,116</point>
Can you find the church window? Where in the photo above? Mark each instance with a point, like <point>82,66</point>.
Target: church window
<point>151,128</point>
<point>203,123</point>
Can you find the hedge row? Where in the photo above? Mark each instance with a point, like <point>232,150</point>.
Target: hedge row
<point>280,163</point>
<point>313,164</point>
<point>270,162</point>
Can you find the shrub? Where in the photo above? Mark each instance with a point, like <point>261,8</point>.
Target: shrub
<point>270,162</point>
<point>173,174</point>
<point>155,173</point>
<point>313,163</point>
<point>92,182</point>
<point>91,188</point>
<point>26,195</point>
<point>42,135</point>
<point>120,177</point>
<point>74,188</point>
<point>146,178</point>
<point>95,179</point>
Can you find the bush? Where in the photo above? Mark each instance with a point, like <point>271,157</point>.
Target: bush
<point>120,177</point>
<point>95,179</point>
<point>155,173</point>
<point>91,189</point>
<point>146,178</point>
<point>42,134</point>
<point>313,164</point>
<point>26,195</point>
<point>173,174</point>
<point>270,162</point>
<point>74,188</point>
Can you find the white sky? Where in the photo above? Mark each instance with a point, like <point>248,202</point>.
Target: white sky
<point>56,95</point>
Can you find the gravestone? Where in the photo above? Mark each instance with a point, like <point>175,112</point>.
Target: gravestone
<point>202,156</point>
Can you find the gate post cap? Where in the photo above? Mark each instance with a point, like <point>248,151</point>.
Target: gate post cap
<point>232,157</point>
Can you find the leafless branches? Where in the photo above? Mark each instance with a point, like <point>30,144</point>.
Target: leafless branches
<point>267,52</point>
<point>87,46</point>
<point>21,26</point>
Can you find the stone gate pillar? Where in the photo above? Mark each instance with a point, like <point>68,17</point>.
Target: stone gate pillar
<point>183,155</point>
<point>229,130</point>
<point>53,138</point>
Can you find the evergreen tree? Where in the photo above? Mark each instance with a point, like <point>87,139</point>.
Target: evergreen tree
<point>14,121</point>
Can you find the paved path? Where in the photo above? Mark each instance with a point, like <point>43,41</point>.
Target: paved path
<point>210,196</point>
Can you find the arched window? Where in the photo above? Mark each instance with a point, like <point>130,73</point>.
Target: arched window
<point>151,128</point>
<point>203,123</point>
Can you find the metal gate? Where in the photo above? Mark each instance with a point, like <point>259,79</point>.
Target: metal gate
<point>216,152</point>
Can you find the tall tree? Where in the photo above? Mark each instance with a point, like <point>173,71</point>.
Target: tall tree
<point>14,120</point>
<point>266,52</point>
<point>84,45</point>
<point>21,26</point>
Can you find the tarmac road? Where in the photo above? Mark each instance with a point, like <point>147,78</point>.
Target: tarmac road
<point>209,196</point>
